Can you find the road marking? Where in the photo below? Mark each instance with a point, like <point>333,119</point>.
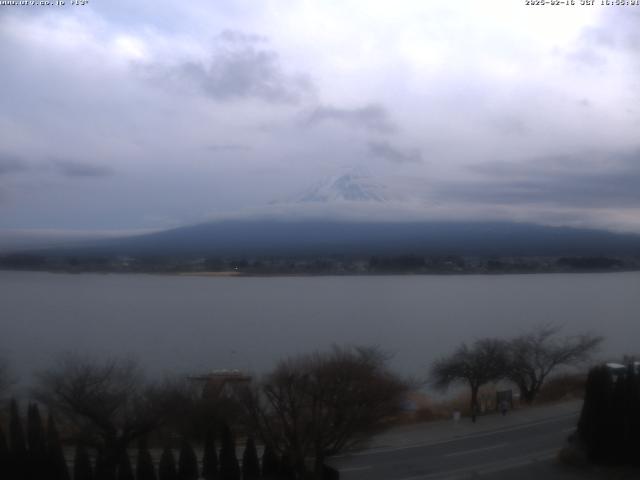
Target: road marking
<point>466,452</point>
<point>355,469</point>
<point>486,468</point>
<point>375,451</point>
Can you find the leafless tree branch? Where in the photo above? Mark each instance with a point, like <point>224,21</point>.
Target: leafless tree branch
<point>321,404</point>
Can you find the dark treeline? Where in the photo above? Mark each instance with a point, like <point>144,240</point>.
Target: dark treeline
<point>36,453</point>
<point>120,426</point>
<point>609,425</point>
<point>339,264</point>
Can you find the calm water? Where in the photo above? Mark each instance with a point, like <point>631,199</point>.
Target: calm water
<point>191,324</point>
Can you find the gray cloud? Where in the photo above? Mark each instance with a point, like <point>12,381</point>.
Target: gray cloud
<point>223,132</point>
<point>587,56</point>
<point>12,164</point>
<point>372,117</point>
<point>617,30</point>
<point>71,168</point>
<point>510,125</point>
<point>241,67</point>
<point>228,147</point>
<point>234,36</point>
<point>609,181</point>
<point>388,152</point>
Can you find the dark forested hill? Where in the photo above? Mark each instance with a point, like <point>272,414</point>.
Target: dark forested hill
<point>315,238</point>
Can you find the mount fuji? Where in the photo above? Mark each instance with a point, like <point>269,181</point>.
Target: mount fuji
<point>359,215</point>
<point>350,187</point>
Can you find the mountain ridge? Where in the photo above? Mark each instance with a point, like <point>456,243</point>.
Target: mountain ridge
<point>315,238</point>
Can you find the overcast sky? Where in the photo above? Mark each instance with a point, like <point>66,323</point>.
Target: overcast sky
<point>133,115</point>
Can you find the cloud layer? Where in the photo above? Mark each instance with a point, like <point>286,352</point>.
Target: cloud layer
<point>124,116</point>
<point>368,117</point>
<point>241,66</point>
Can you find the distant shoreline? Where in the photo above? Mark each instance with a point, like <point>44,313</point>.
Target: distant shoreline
<point>229,273</point>
<point>238,274</point>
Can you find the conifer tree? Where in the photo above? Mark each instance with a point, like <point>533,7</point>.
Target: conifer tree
<point>4,448</point>
<point>16,434</point>
<point>125,472</point>
<point>17,447</point>
<point>250,462</point>
<point>229,468</point>
<point>5,465</point>
<point>187,462</point>
<point>35,432</point>
<point>287,471</point>
<point>82,464</point>
<point>55,455</point>
<point>634,422</point>
<point>270,463</point>
<point>616,432</point>
<point>629,432</point>
<point>210,457</point>
<point>36,451</point>
<point>593,426</point>
<point>104,470</point>
<point>167,467</point>
<point>144,466</point>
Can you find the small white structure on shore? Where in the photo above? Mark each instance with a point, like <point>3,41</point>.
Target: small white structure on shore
<point>219,383</point>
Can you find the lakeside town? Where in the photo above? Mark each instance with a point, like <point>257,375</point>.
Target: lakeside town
<point>329,265</point>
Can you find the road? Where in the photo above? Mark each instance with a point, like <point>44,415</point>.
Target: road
<point>528,449</point>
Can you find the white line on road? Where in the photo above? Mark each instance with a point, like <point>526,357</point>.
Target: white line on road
<point>355,469</point>
<point>375,451</point>
<point>466,452</point>
<point>487,468</point>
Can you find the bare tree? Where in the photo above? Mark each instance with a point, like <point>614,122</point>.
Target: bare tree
<point>318,405</point>
<point>6,378</point>
<point>193,411</point>
<point>108,401</point>
<point>484,361</point>
<point>534,355</point>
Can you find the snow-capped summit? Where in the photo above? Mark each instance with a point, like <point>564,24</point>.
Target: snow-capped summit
<point>350,187</point>
<point>353,195</point>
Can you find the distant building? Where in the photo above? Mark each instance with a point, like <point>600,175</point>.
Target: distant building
<point>221,383</point>
<point>620,370</point>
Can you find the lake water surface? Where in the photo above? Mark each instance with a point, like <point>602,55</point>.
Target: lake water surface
<point>194,324</point>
